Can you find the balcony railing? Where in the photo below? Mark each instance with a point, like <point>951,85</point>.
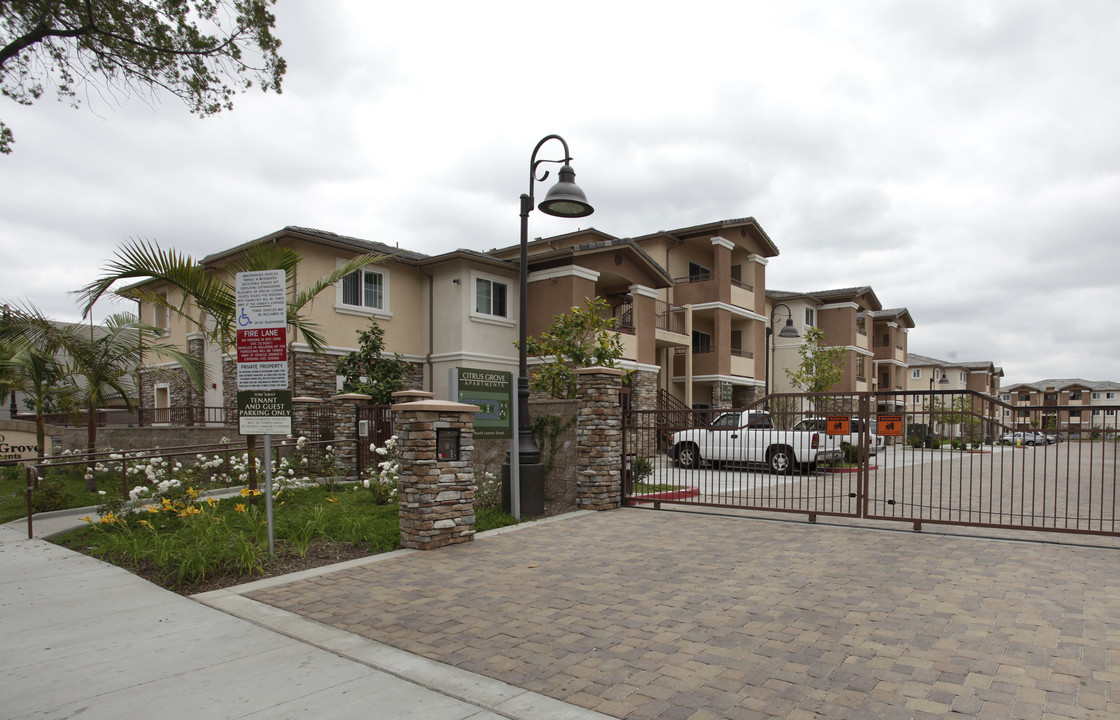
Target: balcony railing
<point>738,352</point>
<point>699,277</point>
<point>669,317</point>
<point>624,318</point>
<point>743,285</point>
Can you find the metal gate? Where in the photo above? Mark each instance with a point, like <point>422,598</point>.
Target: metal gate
<point>375,426</point>
<point>937,457</point>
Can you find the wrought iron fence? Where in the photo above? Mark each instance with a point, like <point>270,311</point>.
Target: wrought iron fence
<point>944,457</point>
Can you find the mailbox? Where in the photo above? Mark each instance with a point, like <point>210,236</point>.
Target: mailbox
<point>447,443</point>
<point>363,428</point>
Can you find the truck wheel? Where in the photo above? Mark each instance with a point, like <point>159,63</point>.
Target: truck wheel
<point>780,460</point>
<point>688,456</point>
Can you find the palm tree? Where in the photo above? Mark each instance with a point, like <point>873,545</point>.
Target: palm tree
<point>213,292</point>
<point>42,378</point>
<point>104,359</point>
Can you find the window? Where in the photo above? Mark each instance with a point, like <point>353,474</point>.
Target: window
<point>1074,395</point>
<point>160,318</point>
<point>736,342</point>
<point>701,341</point>
<point>1006,397</point>
<point>698,273</point>
<point>1024,397</point>
<point>1096,413</point>
<point>490,298</point>
<point>365,289</point>
<point>1109,396</point>
<point>1096,396</point>
<point>964,378</point>
<point>1075,413</point>
<point>1110,413</point>
<point>810,317</point>
<point>916,374</point>
<point>1024,413</point>
<point>1006,412</point>
<point>859,369</point>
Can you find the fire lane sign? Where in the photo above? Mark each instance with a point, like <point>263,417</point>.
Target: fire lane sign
<point>264,397</point>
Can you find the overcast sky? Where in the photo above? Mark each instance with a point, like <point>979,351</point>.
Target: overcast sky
<point>963,159</point>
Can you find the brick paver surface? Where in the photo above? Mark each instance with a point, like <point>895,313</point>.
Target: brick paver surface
<point>644,614</point>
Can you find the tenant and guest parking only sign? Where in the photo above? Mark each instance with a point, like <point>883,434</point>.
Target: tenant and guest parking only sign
<point>264,397</point>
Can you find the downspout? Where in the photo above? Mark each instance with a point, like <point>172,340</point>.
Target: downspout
<point>429,371</point>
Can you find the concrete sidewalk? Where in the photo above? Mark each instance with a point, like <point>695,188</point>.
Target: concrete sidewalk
<point>84,638</point>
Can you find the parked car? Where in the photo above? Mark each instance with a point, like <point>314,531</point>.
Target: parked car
<point>820,424</point>
<point>1028,437</point>
<point>750,437</point>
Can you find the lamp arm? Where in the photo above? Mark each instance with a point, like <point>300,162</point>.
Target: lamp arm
<point>534,163</point>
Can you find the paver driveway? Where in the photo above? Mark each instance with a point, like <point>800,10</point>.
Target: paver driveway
<point>641,614</point>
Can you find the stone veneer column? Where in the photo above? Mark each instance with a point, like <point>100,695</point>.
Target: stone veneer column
<point>346,426</point>
<point>435,496</point>
<point>599,438</point>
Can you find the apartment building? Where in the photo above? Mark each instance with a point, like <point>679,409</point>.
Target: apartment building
<point>1061,403</point>
<point>842,314</point>
<point>689,303</point>
<point>955,379</point>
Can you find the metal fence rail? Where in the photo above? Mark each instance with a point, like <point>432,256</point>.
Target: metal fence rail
<point>961,458</point>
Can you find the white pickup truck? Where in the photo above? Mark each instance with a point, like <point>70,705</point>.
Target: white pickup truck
<point>750,437</point>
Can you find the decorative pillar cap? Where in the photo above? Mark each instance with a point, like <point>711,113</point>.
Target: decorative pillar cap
<point>351,396</point>
<point>406,395</point>
<point>436,406</point>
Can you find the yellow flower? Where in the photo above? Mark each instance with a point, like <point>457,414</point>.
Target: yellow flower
<point>246,492</point>
<point>239,507</point>
<point>153,509</point>
<point>108,518</point>
<point>332,499</point>
<point>87,519</point>
<point>192,493</point>
<point>188,511</point>
<point>143,523</point>
<point>211,501</point>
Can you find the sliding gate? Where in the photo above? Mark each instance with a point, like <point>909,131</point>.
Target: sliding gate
<point>924,457</point>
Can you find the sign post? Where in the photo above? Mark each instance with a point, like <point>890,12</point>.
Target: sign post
<point>264,397</point>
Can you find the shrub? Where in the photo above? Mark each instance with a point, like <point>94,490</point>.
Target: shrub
<point>853,454</point>
<point>51,494</point>
<point>641,467</point>
<point>487,491</point>
<point>382,482</point>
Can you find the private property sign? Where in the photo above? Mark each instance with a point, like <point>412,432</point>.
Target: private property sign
<point>264,400</point>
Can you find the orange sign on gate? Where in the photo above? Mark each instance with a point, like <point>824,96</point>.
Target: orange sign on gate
<point>839,425</point>
<point>890,425</point>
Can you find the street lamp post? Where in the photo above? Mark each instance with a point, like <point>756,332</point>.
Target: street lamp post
<point>789,331</point>
<point>564,199</point>
<point>943,381</point>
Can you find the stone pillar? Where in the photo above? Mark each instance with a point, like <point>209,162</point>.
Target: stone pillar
<point>435,494</point>
<point>599,438</point>
<point>196,346</point>
<point>346,427</point>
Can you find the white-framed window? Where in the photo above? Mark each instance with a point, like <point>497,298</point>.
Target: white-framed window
<point>1074,395</point>
<point>1110,413</point>
<point>1096,413</point>
<point>364,292</point>
<point>1006,397</point>
<point>810,317</point>
<point>915,373</point>
<point>1096,396</point>
<point>964,378</point>
<point>1006,412</point>
<point>491,297</point>
<point>1110,396</point>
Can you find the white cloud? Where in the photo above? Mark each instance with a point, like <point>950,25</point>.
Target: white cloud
<point>960,159</point>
